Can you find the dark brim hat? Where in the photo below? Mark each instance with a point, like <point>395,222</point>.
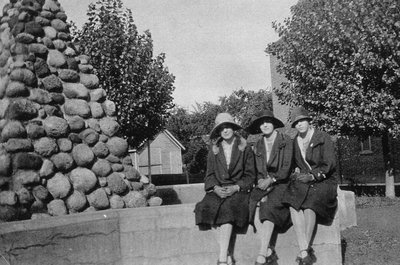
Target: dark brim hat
<point>297,114</point>
<point>259,118</point>
<point>223,119</point>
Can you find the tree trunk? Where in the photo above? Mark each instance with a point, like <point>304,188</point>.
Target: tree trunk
<point>387,158</point>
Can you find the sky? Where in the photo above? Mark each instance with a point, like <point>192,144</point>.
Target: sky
<point>212,47</point>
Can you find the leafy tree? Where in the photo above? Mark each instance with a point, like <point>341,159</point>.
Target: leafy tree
<point>139,84</point>
<point>342,61</point>
<point>192,128</point>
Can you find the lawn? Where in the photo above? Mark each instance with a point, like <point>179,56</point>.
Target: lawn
<point>376,239</point>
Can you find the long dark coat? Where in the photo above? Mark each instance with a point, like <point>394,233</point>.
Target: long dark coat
<point>278,166</point>
<point>320,195</point>
<point>215,211</point>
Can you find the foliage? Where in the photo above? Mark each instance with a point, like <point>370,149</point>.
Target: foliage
<point>139,84</point>
<point>191,129</point>
<point>342,61</point>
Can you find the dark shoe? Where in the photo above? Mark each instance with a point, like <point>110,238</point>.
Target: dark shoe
<point>307,260</point>
<point>269,260</point>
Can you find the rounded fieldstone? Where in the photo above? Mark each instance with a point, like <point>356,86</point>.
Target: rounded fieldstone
<point>151,189</point>
<point>50,32</point>
<point>89,136</point>
<point>25,38</point>
<point>41,67</point>
<point>46,146</point>
<point>85,68</point>
<point>13,129</point>
<point>57,98</point>
<point>117,146</point>
<point>59,186</point>
<point>55,126</point>
<point>62,161</point>
<point>103,138</point>
<point>76,202</point>
<point>83,155</point>
<point>21,109</point>
<point>101,168</point>
<point>117,167</point>
<point>8,213</point>
<point>24,196</point>
<point>59,25</point>
<point>116,183</point>
<point>59,44</point>
<point>18,145</point>
<point>98,199</point>
<point>93,124</point>
<point>27,161</point>
<point>5,164</point>
<point>8,198</point>
<point>96,109</point>
<point>83,179</point>
<point>83,58</point>
<point>155,201</point>
<point>131,173</point>
<point>116,202</point>
<point>38,48</point>
<point>134,199</point>
<point>62,16</point>
<point>127,160</point>
<point>40,192</point>
<point>20,49</point>
<point>42,21</point>
<point>97,95</point>
<point>102,181</point>
<point>25,177</point>
<point>64,36</point>
<point>51,110</point>
<point>64,144</point>
<point>34,129</point>
<point>47,169</point>
<point>52,83</point>
<point>112,158</point>
<point>46,13</point>
<point>4,103</point>
<point>37,207</point>
<point>77,107</point>
<point>75,90</point>
<point>71,62</point>
<point>34,29</point>
<point>76,123</point>
<point>90,81</point>
<point>24,75</point>
<point>137,186</point>
<point>17,89</point>
<point>109,108</point>
<point>74,137</point>
<point>100,150</point>
<point>40,96</point>
<point>68,75</point>
<point>144,179</point>
<point>56,59</point>
<point>57,208</point>
<point>109,126</point>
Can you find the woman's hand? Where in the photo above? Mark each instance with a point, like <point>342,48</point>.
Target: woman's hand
<point>224,192</point>
<point>263,184</point>
<point>305,177</point>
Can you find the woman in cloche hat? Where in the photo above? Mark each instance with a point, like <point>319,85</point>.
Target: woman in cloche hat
<point>311,193</point>
<point>273,157</point>
<point>228,181</point>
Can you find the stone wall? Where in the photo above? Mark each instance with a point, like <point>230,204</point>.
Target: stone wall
<point>59,147</point>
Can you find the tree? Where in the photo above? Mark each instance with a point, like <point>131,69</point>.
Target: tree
<point>342,61</point>
<point>139,84</point>
<point>191,129</point>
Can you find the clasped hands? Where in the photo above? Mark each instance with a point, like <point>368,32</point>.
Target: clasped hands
<point>226,191</point>
<point>263,184</point>
<point>302,177</point>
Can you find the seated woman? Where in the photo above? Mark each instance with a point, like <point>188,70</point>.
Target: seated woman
<point>311,193</point>
<point>228,181</point>
<point>273,157</point>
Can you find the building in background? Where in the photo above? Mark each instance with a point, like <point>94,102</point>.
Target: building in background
<point>165,155</point>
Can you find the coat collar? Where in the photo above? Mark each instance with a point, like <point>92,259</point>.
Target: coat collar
<point>316,139</point>
<point>239,141</point>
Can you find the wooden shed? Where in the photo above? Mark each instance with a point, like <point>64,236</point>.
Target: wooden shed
<point>165,155</point>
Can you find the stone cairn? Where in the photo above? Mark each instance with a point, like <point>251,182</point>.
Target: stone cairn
<point>59,152</point>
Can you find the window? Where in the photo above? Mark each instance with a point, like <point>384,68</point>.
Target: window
<point>366,148</point>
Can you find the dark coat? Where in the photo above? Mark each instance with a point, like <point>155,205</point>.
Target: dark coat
<point>213,210</point>
<point>278,166</point>
<point>319,195</point>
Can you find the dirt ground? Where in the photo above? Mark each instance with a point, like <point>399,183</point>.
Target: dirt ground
<point>376,239</point>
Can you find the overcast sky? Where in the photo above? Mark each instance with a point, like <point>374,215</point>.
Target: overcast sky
<point>212,47</point>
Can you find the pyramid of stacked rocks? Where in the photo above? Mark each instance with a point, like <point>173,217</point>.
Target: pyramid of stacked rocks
<point>59,152</point>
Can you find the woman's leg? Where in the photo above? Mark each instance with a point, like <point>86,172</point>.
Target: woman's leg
<point>265,234</point>
<point>225,232</point>
<point>310,218</point>
<point>299,226</point>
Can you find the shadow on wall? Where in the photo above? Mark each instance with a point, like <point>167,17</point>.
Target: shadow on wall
<point>169,196</point>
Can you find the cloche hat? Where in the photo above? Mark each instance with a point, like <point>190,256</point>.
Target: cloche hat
<point>222,119</point>
<point>259,118</point>
<point>299,113</point>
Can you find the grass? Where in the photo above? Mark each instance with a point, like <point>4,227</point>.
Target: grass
<point>376,239</point>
